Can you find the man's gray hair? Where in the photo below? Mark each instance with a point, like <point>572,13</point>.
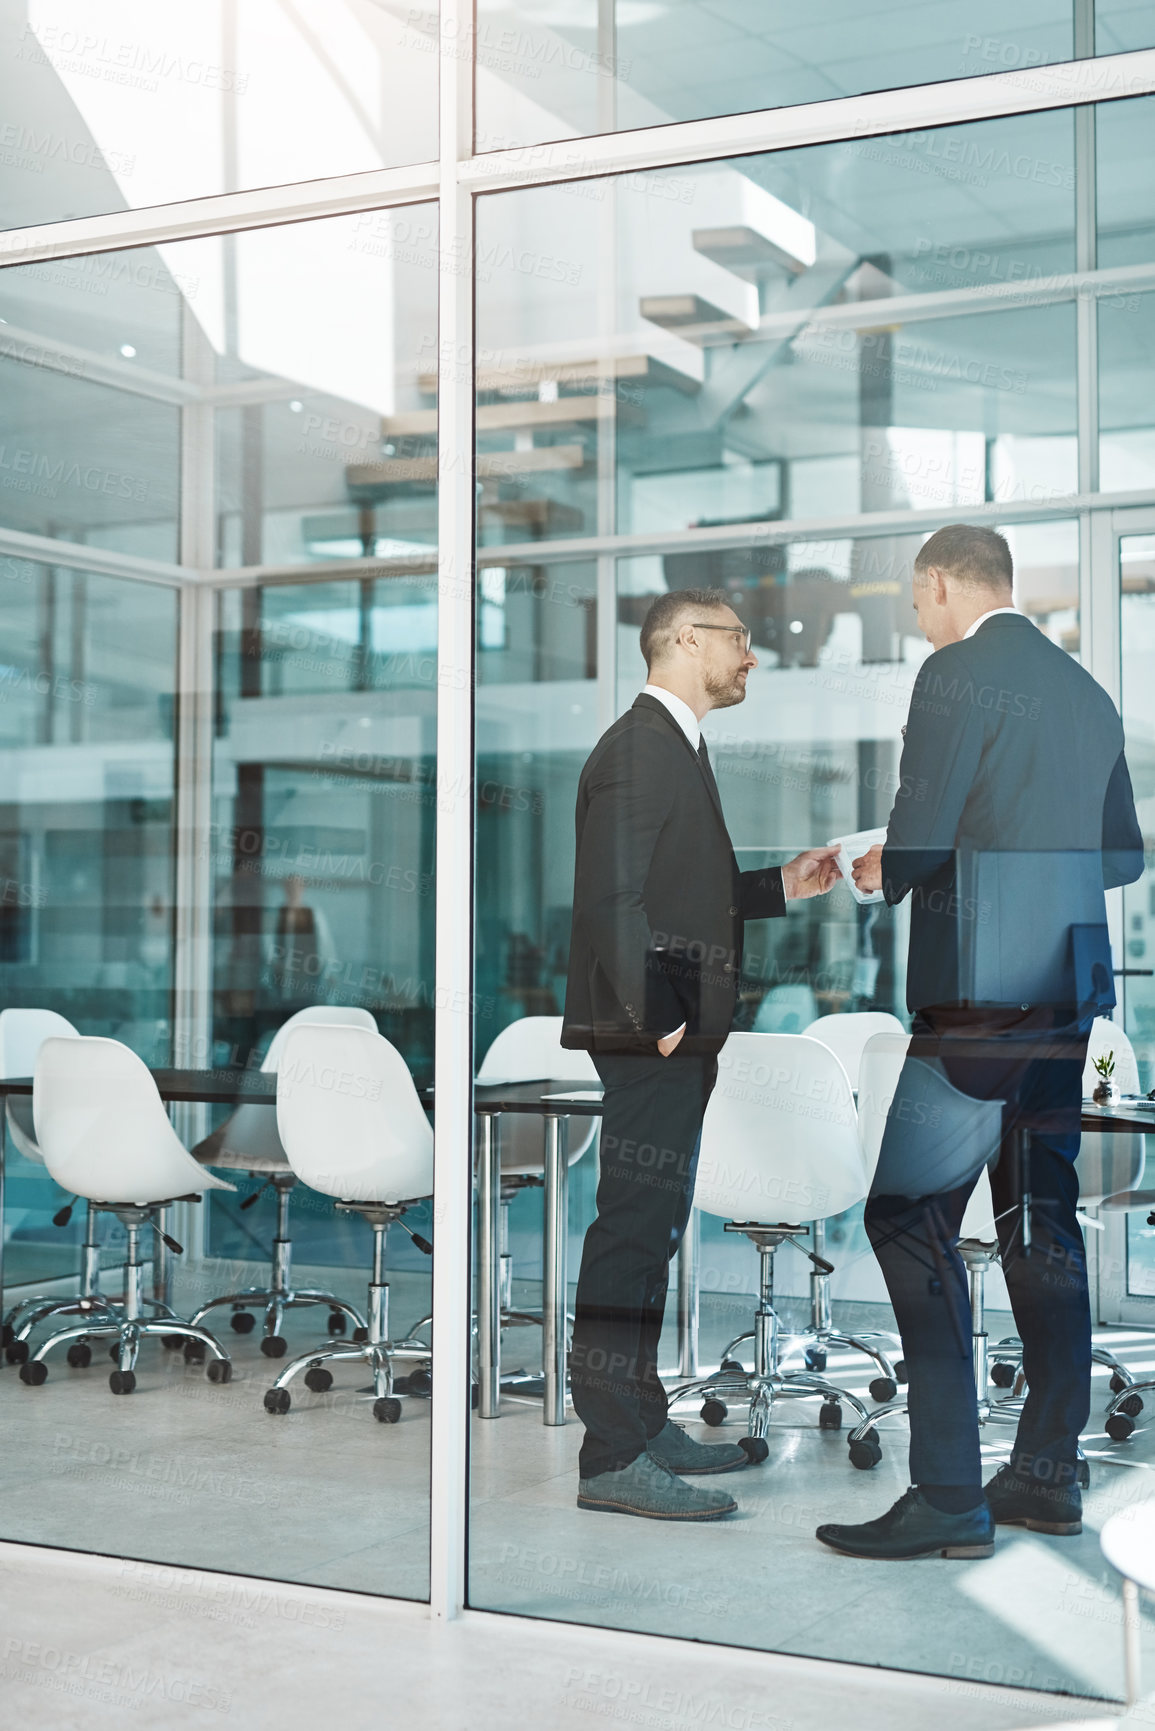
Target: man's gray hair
<point>669,613</point>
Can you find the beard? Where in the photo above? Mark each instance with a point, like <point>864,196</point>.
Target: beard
<point>725,690</point>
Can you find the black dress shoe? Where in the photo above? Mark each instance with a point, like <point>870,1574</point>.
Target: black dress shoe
<point>912,1528</point>
<point>1018,1501</point>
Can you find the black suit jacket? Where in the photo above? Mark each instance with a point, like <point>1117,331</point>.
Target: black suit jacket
<point>1014,811</point>
<point>659,901</point>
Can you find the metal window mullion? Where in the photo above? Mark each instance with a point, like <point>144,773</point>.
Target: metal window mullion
<point>453,972</point>
<point>192,970</point>
<point>953,102</point>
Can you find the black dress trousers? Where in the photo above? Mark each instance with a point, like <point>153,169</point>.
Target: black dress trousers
<point>654,1108</point>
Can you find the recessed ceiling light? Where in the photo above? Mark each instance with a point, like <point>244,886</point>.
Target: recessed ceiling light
<point>128,351</point>
<point>296,406</point>
<point>796,626</point>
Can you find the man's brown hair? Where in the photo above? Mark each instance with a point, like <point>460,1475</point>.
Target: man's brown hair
<point>669,613</point>
<point>969,553</point>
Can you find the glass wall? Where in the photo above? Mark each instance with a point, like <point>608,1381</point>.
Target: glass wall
<point>219,361</point>
<point>772,375</point>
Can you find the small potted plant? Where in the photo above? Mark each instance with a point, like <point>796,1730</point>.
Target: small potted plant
<point>1106,1088</point>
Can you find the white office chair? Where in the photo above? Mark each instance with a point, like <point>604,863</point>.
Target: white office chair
<point>846,1036</point>
<point>779,1147</point>
<point>104,1133</point>
<point>786,1010</point>
<point>353,1127</point>
<point>22,1033</point>
<point>248,1142</point>
<point>530,1050</point>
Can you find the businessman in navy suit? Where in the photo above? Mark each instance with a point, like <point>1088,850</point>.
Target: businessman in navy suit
<point>655,961</point>
<point>1014,813</point>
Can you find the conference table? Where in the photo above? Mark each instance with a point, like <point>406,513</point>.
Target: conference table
<point>553,1101</point>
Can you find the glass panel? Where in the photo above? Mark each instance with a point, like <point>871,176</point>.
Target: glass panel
<point>145,104</point>
<point>315,874</point>
<point>1126,218</point>
<point>555,68</point>
<point>654,367</point>
<point>1121,25</point>
<point>334,456</point>
<point>700,336</point>
<point>86,841</point>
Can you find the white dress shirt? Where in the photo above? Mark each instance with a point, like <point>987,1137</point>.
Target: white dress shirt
<point>681,712</point>
<point>983,617</point>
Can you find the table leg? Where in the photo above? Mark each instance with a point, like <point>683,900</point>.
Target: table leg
<point>555,1286</point>
<point>1131,1641</point>
<point>488,1281</point>
<point>3,1160</point>
<point>162,1261</point>
<point>688,1298</point>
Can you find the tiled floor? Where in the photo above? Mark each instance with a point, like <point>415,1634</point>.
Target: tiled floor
<point>188,1473</point>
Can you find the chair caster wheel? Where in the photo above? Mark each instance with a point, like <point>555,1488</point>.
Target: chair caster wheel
<point>866,1452</point>
<point>360,1336</point>
<point>1118,1426</point>
<point>17,1353</point>
<point>418,1381</point>
<point>79,1355</point>
<point>338,1322</point>
<point>278,1400</point>
<point>387,1410</point>
<point>170,1342</point>
<point>274,1346</point>
<point>882,1389</point>
<point>713,1413</point>
<point>733,1365</point>
<point>34,1374</point>
<point>1132,1406</point>
<point>755,1448</point>
<point>219,1370</point>
<point>242,1322</point>
<point>194,1352</point>
<point>900,1370</point>
<point>1118,1383</point>
<point>122,1381</point>
<point>815,1358</point>
<point>319,1379</point>
<point>830,1415</point>
<point>1003,1375</point>
<point>1083,1475</point>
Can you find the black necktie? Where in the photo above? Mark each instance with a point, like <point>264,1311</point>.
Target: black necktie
<point>708,771</point>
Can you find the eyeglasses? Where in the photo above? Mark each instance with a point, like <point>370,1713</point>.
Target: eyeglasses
<point>741,633</point>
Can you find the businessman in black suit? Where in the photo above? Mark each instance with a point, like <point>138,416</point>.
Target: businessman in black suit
<point>655,960</point>
<point>1014,812</point>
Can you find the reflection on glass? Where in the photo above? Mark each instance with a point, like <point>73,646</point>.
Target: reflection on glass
<point>86,839</point>
<point>754,368</point>
<point>152,104</point>
<point>551,70</point>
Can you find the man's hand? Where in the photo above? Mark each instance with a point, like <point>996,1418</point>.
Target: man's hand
<point>667,1045</point>
<point>810,874</point>
<point>867,871</point>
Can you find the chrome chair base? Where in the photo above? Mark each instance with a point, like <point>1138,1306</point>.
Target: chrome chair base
<point>125,1327</point>
<point>376,1350</point>
<point>280,1295</point>
<point>771,1380</point>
